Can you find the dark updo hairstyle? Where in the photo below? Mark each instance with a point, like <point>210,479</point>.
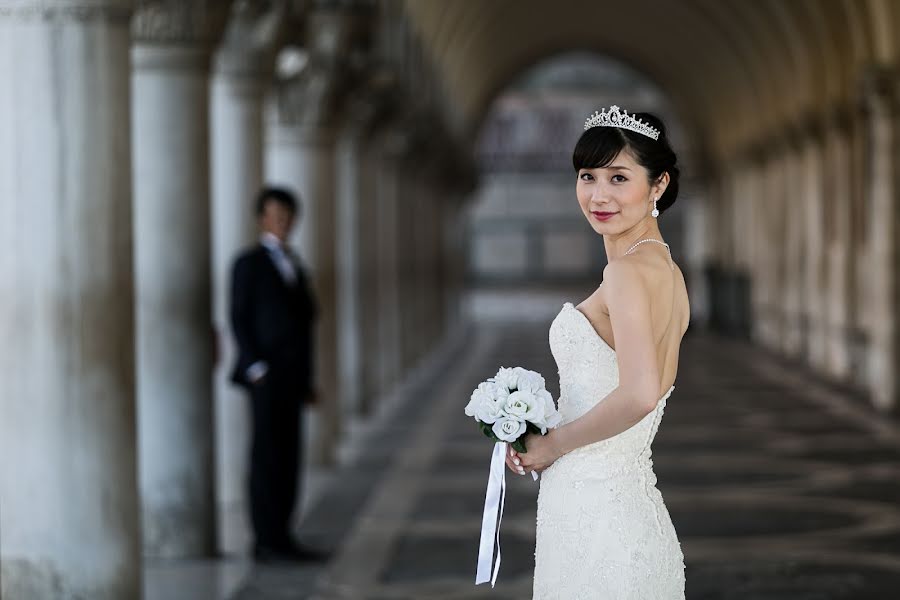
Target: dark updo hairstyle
<point>599,146</point>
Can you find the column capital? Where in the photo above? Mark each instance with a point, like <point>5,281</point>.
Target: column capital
<point>840,118</point>
<point>880,89</point>
<point>336,41</point>
<point>83,10</point>
<point>186,22</point>
<point>371,103</point>
<point>252,31</point>
<point>811,128</point>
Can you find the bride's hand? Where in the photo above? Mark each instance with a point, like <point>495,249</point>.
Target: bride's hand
<point>512,458</point>
<point>542,452</point>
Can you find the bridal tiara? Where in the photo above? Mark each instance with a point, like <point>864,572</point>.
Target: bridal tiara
<point>614,118</point>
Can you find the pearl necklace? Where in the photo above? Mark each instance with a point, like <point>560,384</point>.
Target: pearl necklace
<point>636,244</point>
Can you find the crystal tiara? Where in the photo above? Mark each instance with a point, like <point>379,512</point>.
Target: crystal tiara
<point>614,118</point>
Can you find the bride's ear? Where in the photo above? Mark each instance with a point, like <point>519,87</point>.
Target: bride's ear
<point>661,184</point>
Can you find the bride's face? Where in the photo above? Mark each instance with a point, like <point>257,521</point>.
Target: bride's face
<point>615,197</point>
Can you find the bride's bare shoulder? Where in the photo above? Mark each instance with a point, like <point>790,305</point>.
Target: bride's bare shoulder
<point>626,274</point>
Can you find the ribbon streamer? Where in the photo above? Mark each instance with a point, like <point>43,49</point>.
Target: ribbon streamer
<point>490,526</point>
<point>494,500</point>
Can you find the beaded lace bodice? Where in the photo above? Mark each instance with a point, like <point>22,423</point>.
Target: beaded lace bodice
<point>588,372</point>
<point>603,530</point>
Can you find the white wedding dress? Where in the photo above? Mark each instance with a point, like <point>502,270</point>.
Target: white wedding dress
<point>603,530</point>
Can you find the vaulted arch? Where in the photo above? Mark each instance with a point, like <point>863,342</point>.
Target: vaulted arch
<point>735,70</point>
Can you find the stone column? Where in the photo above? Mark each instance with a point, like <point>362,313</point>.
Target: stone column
<point>68,472</point>
<point>406,258</point>
<point>778,188</point>
<point>283,157</point>
<point>859,348</point>
<point>242,68</point>
<point>387,295</point>
<point>368,208</point>
<point>313,97</point>
<point>794,338</point>
<point>355,204</point>
<point>170,115</point>
<point>432,272</point>
<point>881,96</point>
<point>839,246</point>
<point>759,288</point>
<point>769,315</point>
<point>417,202</point>
<point>435,197</point>
<point>697,251</point>
<point>812,215</point>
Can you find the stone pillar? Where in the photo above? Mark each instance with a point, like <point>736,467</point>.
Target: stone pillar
<point>859,348</point>
<point>241,69</point>
<point>881,97</point>
<point>417,203</point>
<point>839,246</point>
<point>432,269</point>
<point>697,251</point>
<point>812,215</point>
<point>283,157</point>
<point>759,288</point>
<point>387,286</point>
<point>302,158</point>
<point>353,231</point>
<point>434,199</point>
<point>170,115</point>
<point>369,275</point>
<point>347,227</point>
<point>314,97</point>
<point>778,188</point>
<point>406,257</point>
<point>68,473</point>
<point>769,317</point>
<point>793,340</point>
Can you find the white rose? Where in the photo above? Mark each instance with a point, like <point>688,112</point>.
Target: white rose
<point>506,378</point>
<point>508,429</point>
<point>518,404</point>
<point>494,390</point>
<point>528,381</point>
<point>483,407</point>
<point>525,406</point>
<point>551,417</point>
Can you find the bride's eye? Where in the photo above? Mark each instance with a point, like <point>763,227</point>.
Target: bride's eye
<point>586,176</point>
<point>621,180</point>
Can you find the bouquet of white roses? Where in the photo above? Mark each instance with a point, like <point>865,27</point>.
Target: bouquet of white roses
<point>507,406</point>
<point>512,403</point>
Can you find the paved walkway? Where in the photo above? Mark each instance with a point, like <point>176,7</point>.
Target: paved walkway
<point>779,487</point>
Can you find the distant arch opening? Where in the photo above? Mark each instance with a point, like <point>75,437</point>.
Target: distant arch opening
<point>524,228</point>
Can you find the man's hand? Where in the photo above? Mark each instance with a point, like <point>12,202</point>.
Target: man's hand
<point>256,373</point>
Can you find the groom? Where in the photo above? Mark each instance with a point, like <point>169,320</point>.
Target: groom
<point>272,316</point>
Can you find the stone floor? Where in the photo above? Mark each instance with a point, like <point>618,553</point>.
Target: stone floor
<point>780,487</point>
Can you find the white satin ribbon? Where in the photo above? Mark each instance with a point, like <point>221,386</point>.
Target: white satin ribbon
<point>494,500</point>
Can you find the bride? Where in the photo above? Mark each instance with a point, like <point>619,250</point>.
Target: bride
<point>603,530</point>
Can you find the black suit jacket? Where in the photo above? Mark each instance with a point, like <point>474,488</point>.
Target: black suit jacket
<point>271,320</point>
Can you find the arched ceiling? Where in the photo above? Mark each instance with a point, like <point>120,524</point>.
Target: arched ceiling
<point>735,70</point>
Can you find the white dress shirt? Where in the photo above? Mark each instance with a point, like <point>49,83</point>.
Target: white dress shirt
<point>288,272</point>
<point>279,257</point>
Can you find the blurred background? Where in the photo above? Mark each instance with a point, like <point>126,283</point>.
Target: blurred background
<point>429,143</point>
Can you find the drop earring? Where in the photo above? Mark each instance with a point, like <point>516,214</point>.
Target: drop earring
<point>654,212</point>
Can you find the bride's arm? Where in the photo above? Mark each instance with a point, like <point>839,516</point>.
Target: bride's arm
<point>628,300</point>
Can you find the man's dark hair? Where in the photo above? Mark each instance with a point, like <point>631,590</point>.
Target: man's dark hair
<point>276,194</point>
